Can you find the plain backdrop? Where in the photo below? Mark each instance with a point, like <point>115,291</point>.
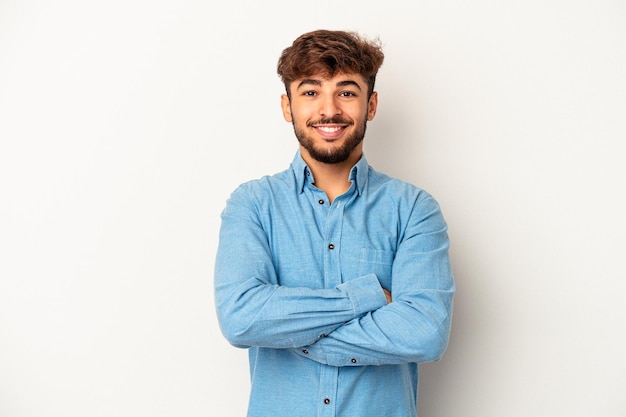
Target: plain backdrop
<point>125,125</point>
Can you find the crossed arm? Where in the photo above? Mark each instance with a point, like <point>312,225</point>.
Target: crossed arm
<point>354,324</point>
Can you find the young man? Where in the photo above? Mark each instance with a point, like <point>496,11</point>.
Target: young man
<point>335,276</point>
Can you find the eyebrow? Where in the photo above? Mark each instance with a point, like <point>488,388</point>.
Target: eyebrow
<point>318,83</point>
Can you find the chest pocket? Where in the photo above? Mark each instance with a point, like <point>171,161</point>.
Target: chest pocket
<point>377,262</point>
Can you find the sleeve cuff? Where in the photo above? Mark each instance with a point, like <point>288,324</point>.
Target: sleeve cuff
<point>365,293</point>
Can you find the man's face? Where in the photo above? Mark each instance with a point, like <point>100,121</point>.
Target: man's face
<point>329,115</point>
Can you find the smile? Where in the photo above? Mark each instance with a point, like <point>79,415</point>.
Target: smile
<point>329,129</point>
<point>330,132</point>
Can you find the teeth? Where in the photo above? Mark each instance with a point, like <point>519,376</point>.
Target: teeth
<point>329,129</point>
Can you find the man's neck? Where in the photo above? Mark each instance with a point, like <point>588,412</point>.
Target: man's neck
<point>333,179</point>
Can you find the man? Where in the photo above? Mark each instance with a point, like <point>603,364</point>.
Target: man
<point>335,276</point>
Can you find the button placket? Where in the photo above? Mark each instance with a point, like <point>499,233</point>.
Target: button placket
<point>328,391</point>
<point>332,237</point>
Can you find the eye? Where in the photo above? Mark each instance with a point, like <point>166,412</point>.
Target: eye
<point>309,93</point>
<point>347,94</point>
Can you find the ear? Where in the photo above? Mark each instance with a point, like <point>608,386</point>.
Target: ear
<point>371,106</point>
<point>286,107</point>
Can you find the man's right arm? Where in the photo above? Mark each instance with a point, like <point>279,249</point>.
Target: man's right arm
<point>254,311</point>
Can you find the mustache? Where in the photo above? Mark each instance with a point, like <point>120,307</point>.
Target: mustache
<point>330,120</point>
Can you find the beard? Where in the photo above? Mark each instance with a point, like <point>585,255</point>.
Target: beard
<point>331,154</point>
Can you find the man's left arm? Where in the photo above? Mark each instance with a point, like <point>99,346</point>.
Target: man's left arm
<point>415,326</point>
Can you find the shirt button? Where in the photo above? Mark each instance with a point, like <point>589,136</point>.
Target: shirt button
<point>306,352</point>
<point>353,360</point>
<point>326,401</point>
<point>322,335</point>
<point>331,246</point>
<point>321,201</point>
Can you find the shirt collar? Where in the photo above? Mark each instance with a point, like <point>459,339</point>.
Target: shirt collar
<point>303,175</point>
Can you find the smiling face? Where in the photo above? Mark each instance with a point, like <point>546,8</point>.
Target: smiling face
<point>329,116</point>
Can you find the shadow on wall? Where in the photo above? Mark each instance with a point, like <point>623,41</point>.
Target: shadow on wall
<point>471,334</point>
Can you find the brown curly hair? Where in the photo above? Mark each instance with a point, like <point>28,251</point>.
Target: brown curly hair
<point>327,53</point>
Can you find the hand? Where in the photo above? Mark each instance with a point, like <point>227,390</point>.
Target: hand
<point>388,295</point>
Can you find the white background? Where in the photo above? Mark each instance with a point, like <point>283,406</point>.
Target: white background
<point>125,125</point>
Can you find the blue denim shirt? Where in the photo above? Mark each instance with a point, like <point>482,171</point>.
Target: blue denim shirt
<point>298,282</point>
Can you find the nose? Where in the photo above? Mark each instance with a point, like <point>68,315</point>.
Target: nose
<point>329,106</point>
